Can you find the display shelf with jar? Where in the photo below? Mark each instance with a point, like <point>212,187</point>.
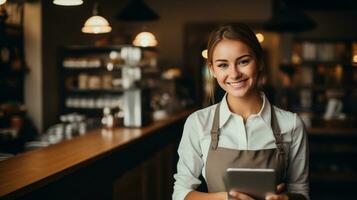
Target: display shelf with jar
<point>95,78</point>
<point>325,70</point>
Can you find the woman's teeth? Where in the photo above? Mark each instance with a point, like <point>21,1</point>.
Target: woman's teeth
<point>237,83</point>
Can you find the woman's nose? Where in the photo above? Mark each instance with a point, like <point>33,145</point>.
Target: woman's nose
<point>234,72</point>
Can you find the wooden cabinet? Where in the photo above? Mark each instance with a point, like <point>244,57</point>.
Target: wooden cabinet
<point>151,180</point>
<point>333,162</point>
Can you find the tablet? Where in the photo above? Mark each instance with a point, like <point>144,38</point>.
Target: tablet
<point>253,182</point>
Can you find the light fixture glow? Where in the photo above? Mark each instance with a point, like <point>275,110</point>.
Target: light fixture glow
<point>204,53</point>
<point>96,24</point>
<point>68,2</point>
<point>355,58</point>
<point>145,39</point>
<point>260,37</point>
<point>2,2</point>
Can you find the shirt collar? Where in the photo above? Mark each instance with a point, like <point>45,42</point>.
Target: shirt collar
<point>225,113</point>
<point>265,111</point>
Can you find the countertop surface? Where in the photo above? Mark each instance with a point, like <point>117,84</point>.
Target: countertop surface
<point>36,168</point>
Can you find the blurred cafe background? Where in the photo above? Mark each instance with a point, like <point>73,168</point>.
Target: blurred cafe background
<point>94,93</point>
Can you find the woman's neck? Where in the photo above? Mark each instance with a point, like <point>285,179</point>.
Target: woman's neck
<point>245,106</point>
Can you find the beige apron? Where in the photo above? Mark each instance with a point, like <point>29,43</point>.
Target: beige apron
<point>219,158</point>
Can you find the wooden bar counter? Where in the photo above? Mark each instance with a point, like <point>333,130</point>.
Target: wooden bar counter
<point>119,163</point>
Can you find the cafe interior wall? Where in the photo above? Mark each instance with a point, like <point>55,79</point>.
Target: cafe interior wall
<point>62,26</point>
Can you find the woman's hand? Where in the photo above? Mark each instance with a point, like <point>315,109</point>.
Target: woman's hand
<point>279,195</point>
<point>239,196</point>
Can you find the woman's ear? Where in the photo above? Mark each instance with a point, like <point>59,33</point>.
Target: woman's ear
<point>210,67</point>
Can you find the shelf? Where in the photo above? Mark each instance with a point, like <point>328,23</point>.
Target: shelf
<point>104,68</point>
<point>88,49</point>
<point>96,91</point>
<point>89,112</point>
<point>327,63</point>
<point>90,69</point>
<point>327,87</point>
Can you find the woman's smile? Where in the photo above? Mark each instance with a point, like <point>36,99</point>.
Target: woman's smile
<point>237,84</point>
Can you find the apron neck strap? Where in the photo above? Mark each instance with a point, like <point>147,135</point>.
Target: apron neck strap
<point>276,129</point>
<point>215,128</point>
<point>279,143</point>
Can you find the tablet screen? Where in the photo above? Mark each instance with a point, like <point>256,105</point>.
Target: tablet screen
<point>253,182</point>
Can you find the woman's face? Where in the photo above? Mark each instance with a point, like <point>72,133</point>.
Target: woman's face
<point>235,67</point>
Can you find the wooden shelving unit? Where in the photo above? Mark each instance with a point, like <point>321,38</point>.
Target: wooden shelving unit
<point>323,66</point>
<point>92,78</point>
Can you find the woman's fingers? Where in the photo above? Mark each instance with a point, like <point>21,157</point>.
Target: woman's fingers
<point>240,196</point>
<point>280,188</point>
<point>276,197</point>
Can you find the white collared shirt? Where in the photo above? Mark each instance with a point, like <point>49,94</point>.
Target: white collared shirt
<point>255,134</point>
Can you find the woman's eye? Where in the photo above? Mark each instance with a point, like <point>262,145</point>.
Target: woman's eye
<point>223,65</point>
<point>244,62</point>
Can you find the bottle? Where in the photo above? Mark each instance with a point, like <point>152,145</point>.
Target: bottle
<point>107,119</point>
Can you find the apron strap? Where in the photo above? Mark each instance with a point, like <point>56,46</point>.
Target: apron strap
<point>276,131</point>
<point>215,128</point>
<point>279,141</point>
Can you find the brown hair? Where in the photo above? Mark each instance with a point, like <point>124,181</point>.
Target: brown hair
<point>242,33</point>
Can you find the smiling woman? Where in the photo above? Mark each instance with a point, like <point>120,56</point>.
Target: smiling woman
<point>242,131</point>
<point>234,67</point>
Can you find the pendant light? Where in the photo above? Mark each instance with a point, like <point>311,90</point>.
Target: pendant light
<point>137,10</point>
<point>2,2</point>
<point>96,24</point>
<point>67,2</point>
<point>145,39</point>
<point>288,19</point>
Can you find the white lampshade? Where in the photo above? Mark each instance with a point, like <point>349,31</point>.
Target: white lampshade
<point>2,2</point>
<point>145,39</point>
<point>67,2</point>
<point>96,24</point>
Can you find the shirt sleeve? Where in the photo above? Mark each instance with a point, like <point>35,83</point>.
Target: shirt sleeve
<point>190,163</point>
<point>298,168</point>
